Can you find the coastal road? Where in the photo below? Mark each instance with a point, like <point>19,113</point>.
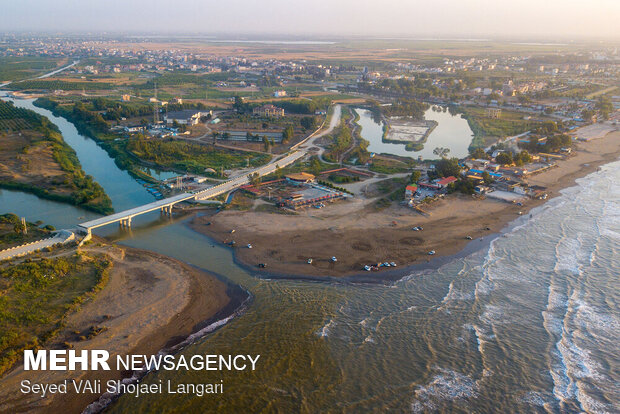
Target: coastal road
<point>335,121</point>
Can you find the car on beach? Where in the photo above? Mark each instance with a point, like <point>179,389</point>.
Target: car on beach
<point>249,246</point>
<point>309,261</point>
<point>432,252</point>
<point>468,237</point>
<point>417,228</point>
<point>334,259</point>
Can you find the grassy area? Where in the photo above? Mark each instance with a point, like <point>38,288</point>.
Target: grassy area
<point>190,157</point>
<point>15,68</point>
<point>57,287</point>
<point>52,85</point>
<point>384,165</point>
<point>487,130</point>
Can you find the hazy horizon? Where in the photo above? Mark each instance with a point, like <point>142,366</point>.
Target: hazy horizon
<point>480,19</point>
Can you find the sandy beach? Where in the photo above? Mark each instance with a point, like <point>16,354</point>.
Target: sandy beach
<point>151,302</point>
<point>358,235</point>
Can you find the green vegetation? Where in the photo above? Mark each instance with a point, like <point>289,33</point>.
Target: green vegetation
<point>12,231</point>
<point>486,130</point>
<point>84,191</point>
<point>330,185</point>
<point>57,287</point>
<point>52,85</point>
<point>342,140</point>
<point>190,157</point>
<point>384,165</point>
<point>553,143</point>
<point>15,68</point>
<point>445,167</point>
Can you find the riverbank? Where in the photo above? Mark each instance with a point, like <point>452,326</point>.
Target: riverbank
<point>357,235</point>
<point>35,158</point>
<point>151,302</point>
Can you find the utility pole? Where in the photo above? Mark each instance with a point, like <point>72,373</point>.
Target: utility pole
<point>155,108</point>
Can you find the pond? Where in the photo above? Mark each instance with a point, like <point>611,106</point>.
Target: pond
<point>452,132</point>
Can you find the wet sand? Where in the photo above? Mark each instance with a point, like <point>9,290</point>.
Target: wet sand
<point>151,302</point>
<point>357,235</point>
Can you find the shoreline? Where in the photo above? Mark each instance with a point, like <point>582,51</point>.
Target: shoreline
<point>154,304</point>
<point>280,251</point>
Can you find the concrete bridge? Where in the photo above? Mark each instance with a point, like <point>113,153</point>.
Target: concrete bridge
<point>165,205</point>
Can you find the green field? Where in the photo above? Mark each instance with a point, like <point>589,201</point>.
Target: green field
<point>15,68</point>
<point>57,287</point>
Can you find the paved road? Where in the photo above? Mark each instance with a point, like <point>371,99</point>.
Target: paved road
<point>334,122</point>
<point>62,236</point>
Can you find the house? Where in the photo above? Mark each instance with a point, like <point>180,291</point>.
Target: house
<point>300,178</point>
<point>410,190</point>
<point>279,94</point>
<point>125,98</point>
<point>269,111</point>
<point>494,113</point>
<point>185,117</point>
<point>177,100</point>
<point>134,128</point>
<point>443,183</point>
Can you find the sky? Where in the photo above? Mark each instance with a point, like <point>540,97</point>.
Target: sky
<point>549,19</point>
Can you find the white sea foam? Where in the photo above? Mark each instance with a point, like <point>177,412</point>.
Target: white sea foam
<point>446,385</point>
<point>326,329</point>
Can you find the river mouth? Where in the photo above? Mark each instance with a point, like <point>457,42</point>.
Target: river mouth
<point>451,131</point>
<point>478,334</point>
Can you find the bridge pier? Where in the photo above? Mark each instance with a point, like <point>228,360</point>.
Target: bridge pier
<point>125,222</point>
<point>167,210</point>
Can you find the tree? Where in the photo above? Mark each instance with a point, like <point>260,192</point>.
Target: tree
<point>288,134</point>
<point>522,158</point>
<point>487,177</point>
<point>278,172</point>
<point>239,105</point>
<point>255,179</point>
<point>266,144</point>
<point>504,158</point>
<point>215,135</point>
<point>415,176</point>
<point>447,167</point>
<point>479,154</point>
<point>315,166</point>
<point>441,152</point>
<point>308,122</point>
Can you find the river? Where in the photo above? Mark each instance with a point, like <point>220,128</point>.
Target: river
<point>528,325</point>
<point>452,132</point>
